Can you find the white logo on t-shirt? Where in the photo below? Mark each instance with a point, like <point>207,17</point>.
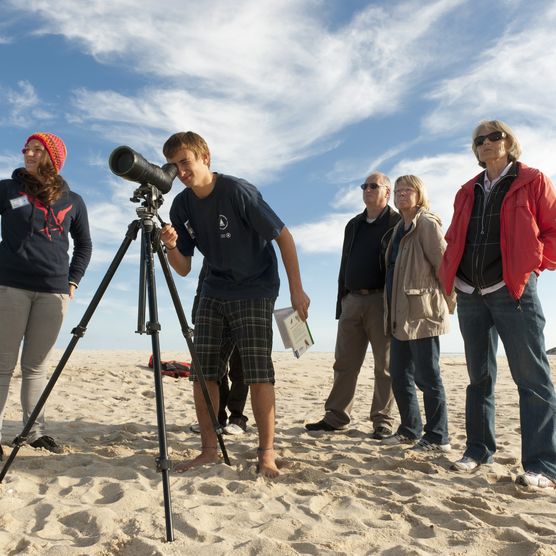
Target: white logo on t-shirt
<point>223,224</point>
<point>189,228</point>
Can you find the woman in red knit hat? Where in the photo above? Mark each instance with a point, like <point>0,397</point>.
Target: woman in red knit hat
<point>37,277</point>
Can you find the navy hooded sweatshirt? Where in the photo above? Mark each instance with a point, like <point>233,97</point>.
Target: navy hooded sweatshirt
<point>35,239</point>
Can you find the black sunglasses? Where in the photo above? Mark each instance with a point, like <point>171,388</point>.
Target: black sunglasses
<point>372,185</point>
<point>492,136</point>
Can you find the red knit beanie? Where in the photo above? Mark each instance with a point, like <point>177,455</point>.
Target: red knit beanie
<point>54,147</point>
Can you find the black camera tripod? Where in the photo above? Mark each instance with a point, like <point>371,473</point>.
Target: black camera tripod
<point>151,199</point>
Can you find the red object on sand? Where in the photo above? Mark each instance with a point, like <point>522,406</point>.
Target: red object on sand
<point>176,369</point>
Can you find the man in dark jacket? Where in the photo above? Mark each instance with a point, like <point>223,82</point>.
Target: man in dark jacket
<point>360,311</point>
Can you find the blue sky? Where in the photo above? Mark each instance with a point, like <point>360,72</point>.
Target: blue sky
<point>301,97</point>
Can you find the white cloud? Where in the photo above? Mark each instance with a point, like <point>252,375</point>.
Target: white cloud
<point>273,75</point>
<point>324,236</point>
<point>515,78</point>
<point>108,221</point>
<point>348,198</point>
<point>345,170</point>
<point>538,145</point>
<point>96,159</point>
<point>8,163</point>
<point>23,106</point>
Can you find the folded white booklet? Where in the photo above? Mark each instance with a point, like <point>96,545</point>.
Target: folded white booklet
<point>295,332</point>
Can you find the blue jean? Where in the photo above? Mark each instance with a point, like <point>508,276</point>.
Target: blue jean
<point>520,325</point>
<point>415,362</point>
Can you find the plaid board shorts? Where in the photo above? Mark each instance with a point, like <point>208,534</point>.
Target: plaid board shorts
<point>246,323</point>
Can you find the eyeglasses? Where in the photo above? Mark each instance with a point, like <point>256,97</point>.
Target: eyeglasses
<point>372,185</point>
<point>32,150</point>
<point>492,137</point>
<point>404,191</point>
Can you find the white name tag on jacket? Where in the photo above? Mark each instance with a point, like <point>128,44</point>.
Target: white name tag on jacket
<point>19,202</point>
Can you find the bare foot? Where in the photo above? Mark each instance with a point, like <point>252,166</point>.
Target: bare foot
<point>267,463</point>
<point>208,455</point>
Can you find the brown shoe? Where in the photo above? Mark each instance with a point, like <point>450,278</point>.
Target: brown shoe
<point>381,432</point>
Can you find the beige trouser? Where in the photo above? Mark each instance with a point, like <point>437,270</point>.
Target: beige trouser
<point>34,318</point>
<point>361,322</point>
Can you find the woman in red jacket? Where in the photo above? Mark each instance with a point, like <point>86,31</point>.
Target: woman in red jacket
<point>502,235</point>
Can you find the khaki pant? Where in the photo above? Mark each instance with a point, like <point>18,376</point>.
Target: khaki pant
<point>34,318</point>
<point>361,322</point>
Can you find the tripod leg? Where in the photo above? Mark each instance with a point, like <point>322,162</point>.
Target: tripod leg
<point>78,332</point>
<point>142,292</point>
<point>153,328</point>
<point>188,335</point>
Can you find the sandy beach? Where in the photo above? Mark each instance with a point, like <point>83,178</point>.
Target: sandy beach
<point>339,493</point>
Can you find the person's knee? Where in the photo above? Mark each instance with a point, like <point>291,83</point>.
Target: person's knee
<point>7,364</point>
<point>33,370</point>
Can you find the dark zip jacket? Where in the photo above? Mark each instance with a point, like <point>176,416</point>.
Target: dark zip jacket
<point>350,232</point>
<point>481,263</point>
<point>35,239</point>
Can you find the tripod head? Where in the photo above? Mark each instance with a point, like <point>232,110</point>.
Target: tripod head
<point>150,198</point>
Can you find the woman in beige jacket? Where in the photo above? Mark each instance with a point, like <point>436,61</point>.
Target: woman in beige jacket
<point>416,315</point>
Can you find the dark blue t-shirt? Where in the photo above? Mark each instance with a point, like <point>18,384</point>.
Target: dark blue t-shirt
<point>233,228</point>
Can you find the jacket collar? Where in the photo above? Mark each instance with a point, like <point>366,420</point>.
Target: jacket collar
<point>363,215</point>
<point>512,172</point>
<point>519,172</point>
<point>416,218</point>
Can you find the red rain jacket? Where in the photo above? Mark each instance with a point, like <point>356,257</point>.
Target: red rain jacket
<point>527,230</point>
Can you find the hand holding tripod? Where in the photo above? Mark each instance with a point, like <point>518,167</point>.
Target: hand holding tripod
<point>151,199</point>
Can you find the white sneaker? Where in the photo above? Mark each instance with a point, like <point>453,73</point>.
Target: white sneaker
<point>232,428</point>
<point>397,439</point>
<point>426,446</point>
<point>535,480</point>
<point>466,464</point>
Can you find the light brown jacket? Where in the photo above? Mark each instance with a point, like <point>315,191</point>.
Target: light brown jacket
<point>419,307</point>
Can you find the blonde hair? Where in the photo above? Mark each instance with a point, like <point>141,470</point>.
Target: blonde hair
<point>419,186</point>
<point>188,139</point>
<point>513,146</point>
